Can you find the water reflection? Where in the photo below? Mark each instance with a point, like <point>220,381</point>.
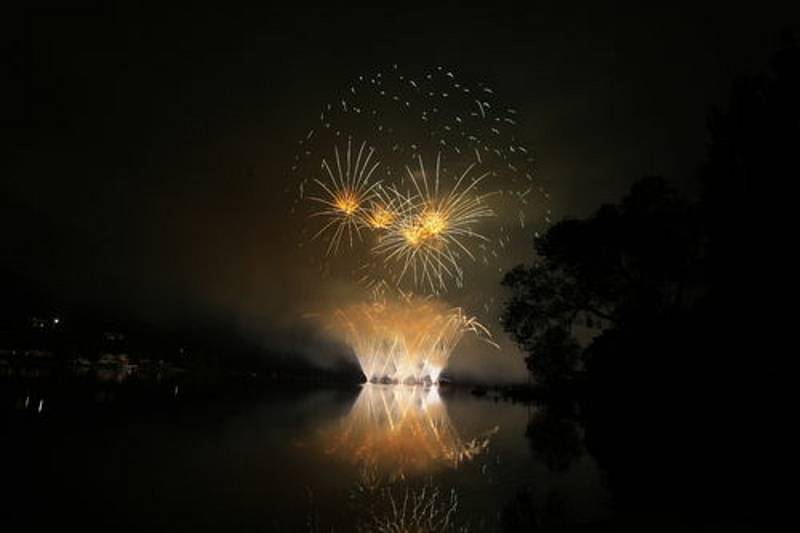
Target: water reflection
<point>423,508</point>
<point>379,458</point>
<point>395,431</point>
<point>555,440</point>
<point>398,437</point>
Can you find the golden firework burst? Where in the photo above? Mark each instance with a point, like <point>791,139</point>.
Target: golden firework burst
<point>436,229</point>
<point>345,194</point>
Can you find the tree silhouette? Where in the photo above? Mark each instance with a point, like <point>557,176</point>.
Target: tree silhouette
<point>748,179</point>
<point>625,261</point>
<point>678,299</point>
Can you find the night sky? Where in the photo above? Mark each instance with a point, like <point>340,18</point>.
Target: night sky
<point>146,151</point>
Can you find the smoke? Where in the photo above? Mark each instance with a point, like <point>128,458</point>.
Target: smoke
<point>400,338</point>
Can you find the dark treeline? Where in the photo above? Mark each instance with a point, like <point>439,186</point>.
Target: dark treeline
<point>654,313</point>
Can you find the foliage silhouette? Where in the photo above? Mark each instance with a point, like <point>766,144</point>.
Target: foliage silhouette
<point>659,313</point>
<point>603,274</point>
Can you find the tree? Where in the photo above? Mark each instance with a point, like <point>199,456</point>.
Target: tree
<point>681,300</point>
<point>624,263</point>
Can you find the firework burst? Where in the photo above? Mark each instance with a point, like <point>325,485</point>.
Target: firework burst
<point>411,236</point>
<point>345,195</point>
<point>386,208</point>
<point>437,229</point>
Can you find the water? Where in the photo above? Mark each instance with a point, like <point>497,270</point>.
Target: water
<point>175,457</point>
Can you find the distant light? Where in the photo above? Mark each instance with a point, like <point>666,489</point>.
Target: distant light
<point>41,406</point>
<point>56,320</point>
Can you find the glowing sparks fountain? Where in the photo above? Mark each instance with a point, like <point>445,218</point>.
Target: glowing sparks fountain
<point>407,340</point>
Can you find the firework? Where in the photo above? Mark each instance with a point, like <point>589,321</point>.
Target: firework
<point>403,340</point>
<point>345,195</point>
<point>436,229</point>
<point>408,226</point>
<point>412,237</point>
<point>385,209</point>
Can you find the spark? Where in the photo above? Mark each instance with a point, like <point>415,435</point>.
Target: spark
<point>436,229</point>
<point>384,209</point>
<point>421,229</point>
<point>480,106</point>
<point>345,193</point>
<point>407,339</point>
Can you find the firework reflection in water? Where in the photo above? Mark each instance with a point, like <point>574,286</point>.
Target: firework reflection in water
<point>421,508</point>
<point>393,432</point>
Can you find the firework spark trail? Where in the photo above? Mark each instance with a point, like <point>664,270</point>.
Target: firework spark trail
<point>404,114</point>
<point>404,340</point>
<point>386,208</point>
<point>436,228</point>
<point>345,196</point>
<point>420,510</point>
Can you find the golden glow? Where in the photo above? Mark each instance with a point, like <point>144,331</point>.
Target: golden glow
<point>414,235</point>
<point>343,194</point>
<point>398,431</point>
<point>424,232</point>
<point>437,228</point>
<point>428,226</point>
<point>380,217</point>
<point>433,222</point>
<point>402,340</point>
<point>347,202</point>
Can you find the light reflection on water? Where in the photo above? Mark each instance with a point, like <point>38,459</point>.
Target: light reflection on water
<point>396,431</point>
<point>397,436</point>
<point>141,457</point>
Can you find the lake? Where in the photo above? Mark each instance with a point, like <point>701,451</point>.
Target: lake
<point>149,456</point>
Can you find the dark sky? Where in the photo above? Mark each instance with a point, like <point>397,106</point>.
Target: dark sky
<point>146,150</point>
